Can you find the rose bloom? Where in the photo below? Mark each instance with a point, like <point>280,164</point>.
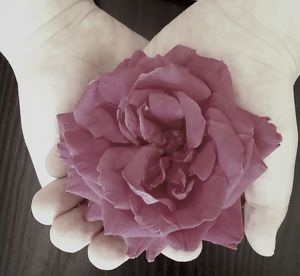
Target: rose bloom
<point>162,152</point>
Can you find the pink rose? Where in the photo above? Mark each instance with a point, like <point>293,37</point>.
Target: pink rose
<point>162,152</point>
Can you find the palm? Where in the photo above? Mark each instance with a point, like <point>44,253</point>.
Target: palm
<point>60,64</point>
<point>263,72</point>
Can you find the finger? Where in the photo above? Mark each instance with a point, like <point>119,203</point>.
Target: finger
<point>107,252</point>
<point>70,232</point>
<point>267,198</point>
<point>182,256</point>
<point>55,165</point>
<point>261,226</point>
<point>52,201</point>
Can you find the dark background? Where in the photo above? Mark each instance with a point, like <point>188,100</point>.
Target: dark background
<point>25,248</point>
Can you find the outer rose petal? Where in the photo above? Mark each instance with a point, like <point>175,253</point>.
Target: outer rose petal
<point>180,55</point>
<point>137,246</point>
<point>230,150</point>
<point>148,64</point>
<point>173,77</point>
<point>77,186</point>
<point>125,224</point>
<point>228,228</point>
<point>93,212</point>
<point>256,168</point>
<point>131,62</point>
<point>194,121</point>
<point>238,118</point>
<point>189,239</point>
<point>100,123</point>
<point>108,89</point>
<point>266,137</point>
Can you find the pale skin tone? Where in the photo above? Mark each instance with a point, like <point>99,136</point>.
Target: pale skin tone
<point>57,53</point>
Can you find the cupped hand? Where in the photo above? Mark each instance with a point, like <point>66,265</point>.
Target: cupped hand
<point>260,56</point>
<point>259,42</point>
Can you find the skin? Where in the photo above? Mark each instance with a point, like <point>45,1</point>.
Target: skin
<point>56,55</point>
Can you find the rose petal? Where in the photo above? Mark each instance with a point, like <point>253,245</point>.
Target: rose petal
<point>230,150</point>
<point>148,64</point>
<point>214,73</point>
<point>239,119</point>
<point>77,186</point>
<point>115,188</point>
<point>108,89</point>
<point>135,170</point>
<point>131,62</point>
<point>124,119</point>
<point>121,222</point>
<point>173,77</point>
<point>100,123</point>
<point>66,121</point>
<point>256,168</point>
<point>205,202</point>
<point>136,246</point>
<point>180,55</point>
<point>203,164</point>
<point>228,228</point>
<point>93,212</point>
<point>157,218</point>
<point>266,137</point>
<point>195,123</point>
<point>149,130</point>
<point>188,239</point>
<point>165,107</point>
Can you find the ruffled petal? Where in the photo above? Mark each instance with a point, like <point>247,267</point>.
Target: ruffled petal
<point>93,212</point>
<point>77,186</point>
<point>135,171</point>
<point>188,239</point>
<point>203,164</point>
<point>230,150</point>
<point>150,131</point>
<point>115,188</point>
<point>255,169</point>
<point>228,229</point>
<point>148,64</point>
<point>157,218</point>
<point>136,246</point>
<point>214,73</point>
<point>131,62</point>
<point>100,123</point>
<point>194,121</point>
<point>108,89</point>
<point>173,77</point>
<point>266,138</point>
<point>205,202</point>
<point>165,107</point>
<point>180,55</point>
<point>121,222</point>
<point>240,121</point>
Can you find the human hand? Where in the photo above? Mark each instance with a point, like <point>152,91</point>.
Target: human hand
<point>259,41</point>
<point>242,59</point>
<point>56,49</point>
